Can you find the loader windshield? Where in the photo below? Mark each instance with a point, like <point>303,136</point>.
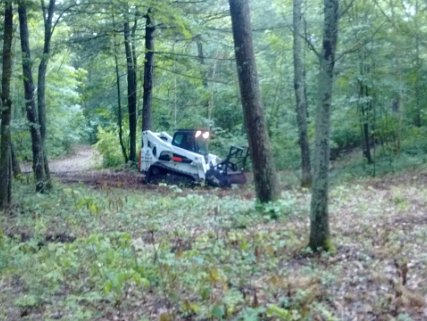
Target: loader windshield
<point>194,141</point>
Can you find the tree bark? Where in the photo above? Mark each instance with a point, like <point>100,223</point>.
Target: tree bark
<point>259,143</point>
<point>301,103</point>
<point>29,90</point>
<point>319,228</point>
<point>148,71</point>
<point>201,57</point>
<point>16,168</point>
<point>418,64</point>
<point>6,111</point>
<point>207,95</point>
<point>119,100</point>
<point>367,143</point>
<point>365,107</point>
<point>131,86</point>
<point>41,80</point>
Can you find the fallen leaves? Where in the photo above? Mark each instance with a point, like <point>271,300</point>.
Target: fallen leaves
<point>214,257</point>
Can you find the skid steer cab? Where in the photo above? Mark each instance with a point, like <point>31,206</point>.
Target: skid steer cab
<point>184,159</point>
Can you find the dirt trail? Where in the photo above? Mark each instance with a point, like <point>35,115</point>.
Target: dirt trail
<point>84,158</point>
<point>83,166</point>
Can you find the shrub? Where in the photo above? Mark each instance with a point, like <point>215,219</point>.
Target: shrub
<point>108,146</point>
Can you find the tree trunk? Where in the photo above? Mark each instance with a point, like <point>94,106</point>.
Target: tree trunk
<point>319,229</point>
<point>207,95</point>
<point>6,111</point>
<point>367,142</point>
<point>259,143</point>
<point>365,107</point>
<point>41,81</point>
<point>201,57</point>
<point>119,101</point>
<point>148,71</point>
<point>36,140</point>
<point>301,103</point>
<point>418,65</point>
<point>131,80</point>
<point>16,168</point>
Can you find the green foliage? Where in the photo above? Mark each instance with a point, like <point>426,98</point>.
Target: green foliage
<point>282,314</point>
<point>222,140</point>
<point>346,132</point>
<point>108,146</point>
<point>113,268</point>
<point>27,301</point>
<point>194,92</point>
<point>414,142</point>
<point>66,124</point>
<point>285,147</point>
<point>285,206</point>
<point>119,245</point>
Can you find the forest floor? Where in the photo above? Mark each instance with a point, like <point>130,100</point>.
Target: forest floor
<point>168,253</point>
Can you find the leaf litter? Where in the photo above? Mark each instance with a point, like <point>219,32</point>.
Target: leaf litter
<point>167,253</point>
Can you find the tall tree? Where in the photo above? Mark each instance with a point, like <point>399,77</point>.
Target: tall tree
<point>150,28</point>
<point>30,104</point>
<point>299,86</point>
<point>259,143</point>
<point>365,104</point>
<point>208,102</point>
<point>41,78</point>
<point>6,110</point>
<point>129,35</point>
<point>119,96</point>
<point>364,86</point>
<point>319,216</point>
<point>418,65</point>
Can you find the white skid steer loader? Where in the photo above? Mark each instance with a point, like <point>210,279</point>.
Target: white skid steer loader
<point>184,160</point>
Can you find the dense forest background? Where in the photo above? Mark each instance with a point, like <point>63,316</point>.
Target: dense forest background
<point>379,93</point>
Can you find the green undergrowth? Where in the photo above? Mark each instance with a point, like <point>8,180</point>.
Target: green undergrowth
<point>354,165</point>
<point>82,254</point>
<point>183,254</point>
